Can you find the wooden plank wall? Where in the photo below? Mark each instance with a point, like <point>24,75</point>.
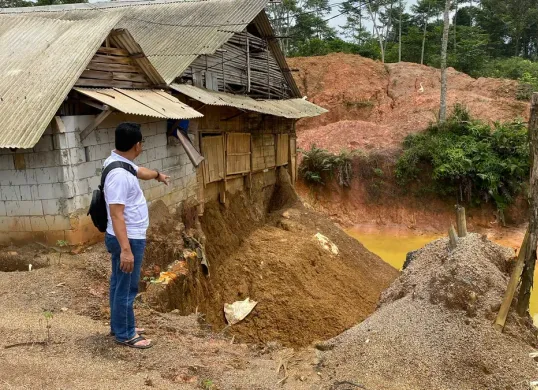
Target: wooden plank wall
<point>112,67</point>
<point>213,164</point>
<point>282,149</point>
<point>237,153</point>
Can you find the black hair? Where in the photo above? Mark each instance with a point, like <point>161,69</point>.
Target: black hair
<point>127,135</point>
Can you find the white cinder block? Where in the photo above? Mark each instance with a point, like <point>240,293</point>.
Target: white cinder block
<point>160,153</point>
<point>45,144</point>
<point>151,154</point>
<point>82,187</point>
<point>59,141</point>
<point>2,208</point>
<point>170,162</point>
<point>57,222</point>
<point>53,206</point>
<point>160,140</point>
<point>94,182</point>
<point>12,177</point>
<point>149,129</point>
<point>42,159</point>
<point>6,162</point>
<point>90,140</point>
<point>10,193</point>
<point>157,164</point>
<point>31,176</point>
<point>184,159</point>
<point>142,159</point>
<point>88,169</point>
<point>48,175</point>
<point>15,208</point>
<point>26,192</point>
<point>77,156</point>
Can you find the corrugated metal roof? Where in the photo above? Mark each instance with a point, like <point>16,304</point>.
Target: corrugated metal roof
<point>289,108</point>
<point>40,60</point>
<point>148,102</point>
<point>171,33</point>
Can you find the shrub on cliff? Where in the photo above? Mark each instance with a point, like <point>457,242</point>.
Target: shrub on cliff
<point>468,159</point>
<point>318,165</point>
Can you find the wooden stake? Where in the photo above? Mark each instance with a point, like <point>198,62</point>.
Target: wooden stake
<point>512,285</point>
<point>461,222</point>
<point>527,276</point>
<point>453,243</point>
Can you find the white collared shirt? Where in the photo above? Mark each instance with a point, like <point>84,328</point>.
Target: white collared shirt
<point>122,187</point>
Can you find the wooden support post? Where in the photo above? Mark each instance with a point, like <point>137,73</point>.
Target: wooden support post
<point>461,222</point>
<point>527,275</point>
<point>453,238</point>
<point>512,285</point>
<point>248,64</point>
<point>96,122</point>
<point>222,194</point>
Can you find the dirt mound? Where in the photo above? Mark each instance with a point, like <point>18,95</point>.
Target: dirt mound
<point>304,292</point>
<point>397,98</point>
<point>434,327</point>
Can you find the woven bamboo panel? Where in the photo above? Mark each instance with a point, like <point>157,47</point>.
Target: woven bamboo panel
<point>237,153</point>
<point>213,151</point>
<point>282,149</point>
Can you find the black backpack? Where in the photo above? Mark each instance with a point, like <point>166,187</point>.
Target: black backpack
<point>98,205</point>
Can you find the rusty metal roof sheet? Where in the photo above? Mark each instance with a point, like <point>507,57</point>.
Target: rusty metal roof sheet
<point>40,60</point>
<point>288,108</point>
<point>148,102</point>
<point>172,33</point>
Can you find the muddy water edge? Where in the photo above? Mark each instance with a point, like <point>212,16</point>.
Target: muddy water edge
<point>393,247</point>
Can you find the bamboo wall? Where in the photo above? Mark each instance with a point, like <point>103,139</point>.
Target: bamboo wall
<point>237,145</point>
<point>244,65</point>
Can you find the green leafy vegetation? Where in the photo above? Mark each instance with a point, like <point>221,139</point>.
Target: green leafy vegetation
<point>319,165</point>
<point>468,160</point>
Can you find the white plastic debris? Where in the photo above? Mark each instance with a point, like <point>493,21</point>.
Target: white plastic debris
<point>29,267</point>
<point>327,244</point>
<point>237,311</point>
<point>533,385</point>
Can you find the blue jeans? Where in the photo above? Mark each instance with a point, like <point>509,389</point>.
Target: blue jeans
<point>123,288</point>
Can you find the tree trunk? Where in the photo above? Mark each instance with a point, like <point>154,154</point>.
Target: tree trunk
<point>444,47</point>
<point>424,35</point>
<point>389,25</point>
<point>455,26</point>
<point>400,35</point>
<point>530,259</point>
<point>376,29</point>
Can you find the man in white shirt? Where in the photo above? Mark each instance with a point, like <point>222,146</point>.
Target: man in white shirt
<point>125,236</point>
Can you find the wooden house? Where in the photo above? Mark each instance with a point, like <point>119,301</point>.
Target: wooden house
<point>206,79</point>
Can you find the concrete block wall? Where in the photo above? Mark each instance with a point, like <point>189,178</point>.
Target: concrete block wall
<point>45,191</point>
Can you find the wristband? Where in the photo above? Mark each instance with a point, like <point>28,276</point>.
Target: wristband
<point>158,174</point>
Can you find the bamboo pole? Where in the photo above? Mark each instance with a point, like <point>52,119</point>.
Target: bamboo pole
<point>512,285</point>
<point>527,275</point>
<point>453,238</point>
<point>461,222</point>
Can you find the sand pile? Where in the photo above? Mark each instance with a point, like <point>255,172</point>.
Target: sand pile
<point>434,330</point>
<point>268,252</point>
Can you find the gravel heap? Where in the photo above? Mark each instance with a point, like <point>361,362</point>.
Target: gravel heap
<point>433,329</point>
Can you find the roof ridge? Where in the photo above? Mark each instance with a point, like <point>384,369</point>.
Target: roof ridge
<point>98,5</point>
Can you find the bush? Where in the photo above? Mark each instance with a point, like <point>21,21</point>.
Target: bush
<point>467,159</point>
<point>319,164</point>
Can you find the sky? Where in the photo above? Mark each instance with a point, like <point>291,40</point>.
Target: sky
<point>341,20</point>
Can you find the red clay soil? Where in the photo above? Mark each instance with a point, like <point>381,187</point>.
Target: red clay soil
<point>374,106</point>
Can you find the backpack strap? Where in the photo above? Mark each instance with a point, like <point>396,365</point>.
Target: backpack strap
<point>113,165</point>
